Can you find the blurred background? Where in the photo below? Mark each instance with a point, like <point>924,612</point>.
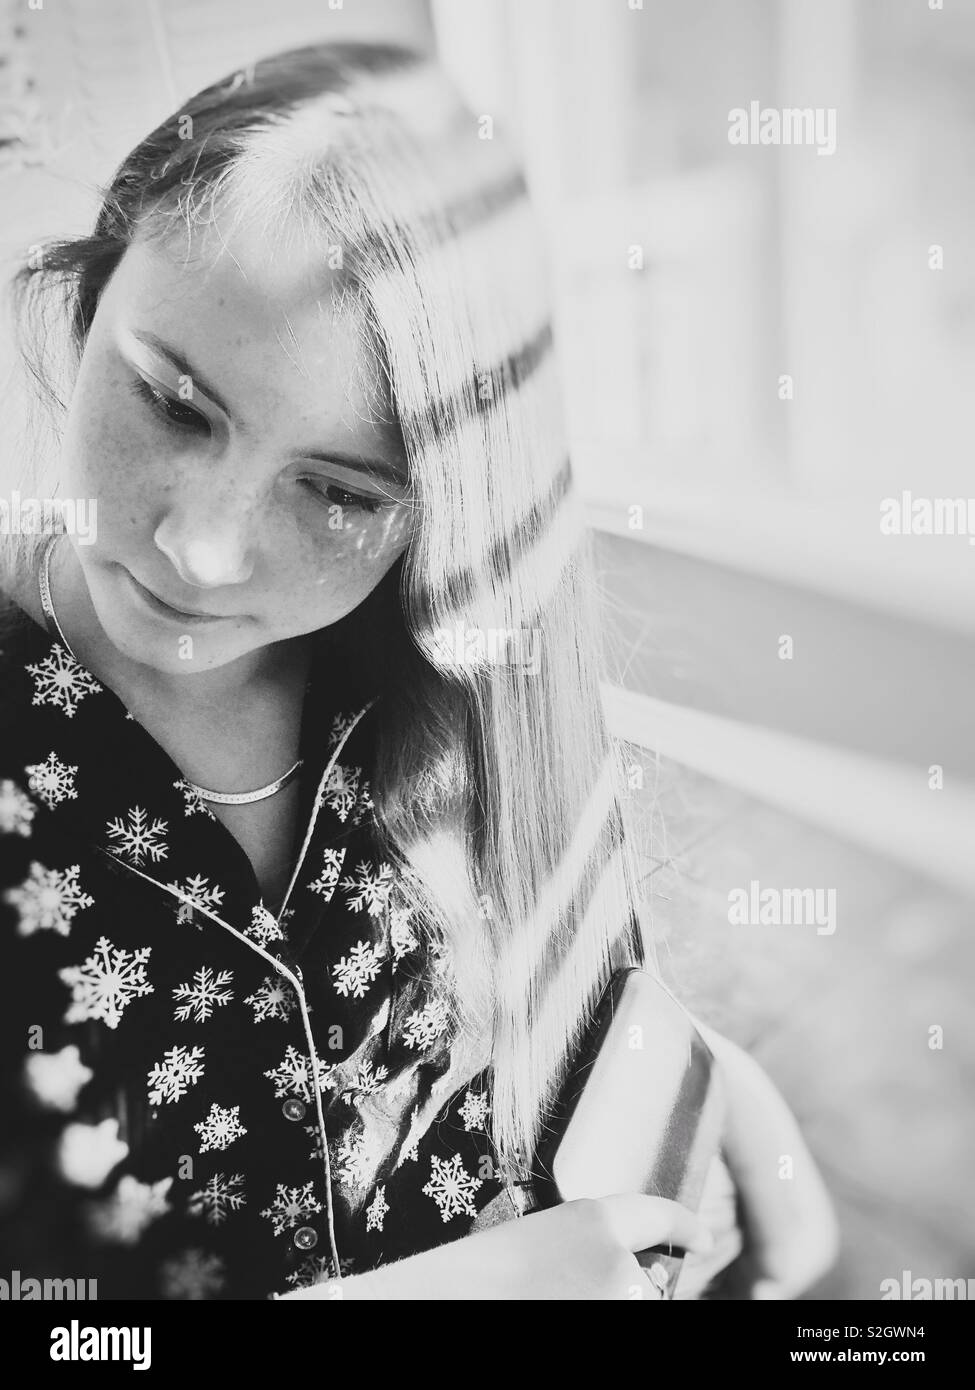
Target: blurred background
<point>762,345</point>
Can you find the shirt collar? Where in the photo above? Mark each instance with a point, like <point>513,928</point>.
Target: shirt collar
<point>107,781</point>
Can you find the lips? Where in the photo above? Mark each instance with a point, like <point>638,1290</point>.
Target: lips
<point>163,605</point>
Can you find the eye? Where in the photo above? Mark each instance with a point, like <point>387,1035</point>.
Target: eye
<point>173,411</point>
<point>336,496</point>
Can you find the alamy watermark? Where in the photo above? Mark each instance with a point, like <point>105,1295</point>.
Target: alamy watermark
<point>793,125</point>
<point>756,906</point>
<point>77,1343</point>
<point>24,1289</point>
<point>922,1290</point>
<point>36,516</point>
<point>908,515</point>
<point>462,645</point>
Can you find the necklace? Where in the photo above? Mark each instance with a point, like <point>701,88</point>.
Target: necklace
<point>222,798</point>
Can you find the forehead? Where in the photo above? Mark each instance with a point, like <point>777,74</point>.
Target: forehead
<point>284,324</point>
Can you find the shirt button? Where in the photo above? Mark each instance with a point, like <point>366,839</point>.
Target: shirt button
<point>306,1237</point>
<point>293,1109</point>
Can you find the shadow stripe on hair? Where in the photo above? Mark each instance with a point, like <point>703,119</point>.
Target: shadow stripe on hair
<point>485,390</point>
<point>506,552</point>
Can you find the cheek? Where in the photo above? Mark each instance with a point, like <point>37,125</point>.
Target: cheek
<point>334,570</point>
<point>106,453</point>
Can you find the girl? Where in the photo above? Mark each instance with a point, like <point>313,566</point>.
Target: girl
<point>313,857</point>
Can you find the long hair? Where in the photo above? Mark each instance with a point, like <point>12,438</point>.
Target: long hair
<point>497,785</point>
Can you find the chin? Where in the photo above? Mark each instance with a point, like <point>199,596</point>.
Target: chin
<point>163,644</point>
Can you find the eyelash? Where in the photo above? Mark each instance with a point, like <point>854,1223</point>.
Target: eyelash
<point>355,499</point>
<point>165,407</point>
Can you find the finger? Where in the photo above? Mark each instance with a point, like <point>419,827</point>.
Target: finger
<point>639,1222</point>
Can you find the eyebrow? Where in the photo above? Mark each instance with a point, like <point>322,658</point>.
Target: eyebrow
<point>359,463</point>
<point>182,366</point>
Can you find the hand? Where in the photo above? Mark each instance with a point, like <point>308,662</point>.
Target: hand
<point>791,1235</point>
<point>579,1250</point>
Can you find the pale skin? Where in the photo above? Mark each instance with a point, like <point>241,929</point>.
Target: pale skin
<point>249,506</point>
<point>217,479</point>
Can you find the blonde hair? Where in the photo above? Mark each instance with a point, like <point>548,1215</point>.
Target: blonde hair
<point>497,784</point>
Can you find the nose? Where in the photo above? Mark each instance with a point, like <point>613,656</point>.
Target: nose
<point>206,550</point>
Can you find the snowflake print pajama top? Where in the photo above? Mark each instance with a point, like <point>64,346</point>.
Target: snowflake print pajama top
<point>175,1058</point>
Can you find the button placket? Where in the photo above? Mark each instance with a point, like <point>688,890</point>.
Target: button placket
<point>306,1237</point>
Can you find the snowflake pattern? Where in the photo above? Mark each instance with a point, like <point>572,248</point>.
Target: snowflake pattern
<point>137,838</point>
<point>205,994</point>
<point>474,1111</point>
<point>195,892</point>
<point>356,1156</point>
<point>341,724</point>
<point>263,927</point>
<point>273,998</point>
<point>290,1206</point>
<point>220,1197</point>
<point>16,809</point>
<point>62,682</point>
<point>356,971</point>
<point>425,1025</point>
<point>100,989</point>
<point>52,781</point>
<point>410,1153</point>
<point>193,803</point>
<point>327,880</point>
<point>366,1081</point>
<point>401,936</point>
<point>220,1128</point>
<point>376,1211</point>
<point>194,1275</point>
<point>345,796</point>
<point>317,1152</point>
<point>55,1078</point>
<point>88,1153</point>
<point>48,899</point>
<point>106,984</point>
<point>369,888</point>
<point>451,1187</point>
<point>170,1079</point>
<point>132,1207</point>
<point>293,1076</point>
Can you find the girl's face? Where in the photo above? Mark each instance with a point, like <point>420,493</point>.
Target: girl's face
<point>251,483</point>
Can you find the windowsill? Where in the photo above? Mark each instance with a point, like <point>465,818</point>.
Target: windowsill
<point>836,551</point>
<point>885,807</point>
